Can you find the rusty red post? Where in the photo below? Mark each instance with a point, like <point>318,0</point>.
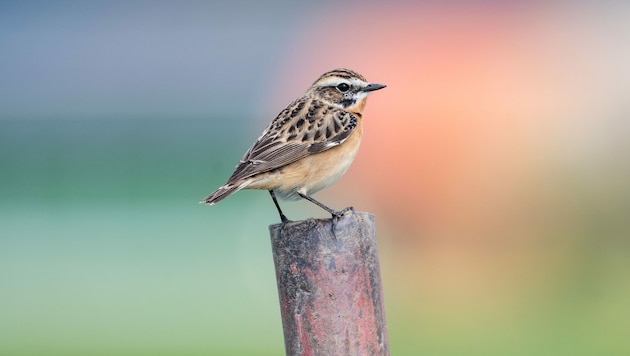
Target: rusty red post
<point>329,285</point>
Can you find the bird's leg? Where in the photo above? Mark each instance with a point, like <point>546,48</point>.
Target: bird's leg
<point>335,213</point>
<point>275,201</point>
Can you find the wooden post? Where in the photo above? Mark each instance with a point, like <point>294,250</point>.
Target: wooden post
<point>329,285</point>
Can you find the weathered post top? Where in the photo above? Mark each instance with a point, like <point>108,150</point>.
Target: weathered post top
<point>329,286</point>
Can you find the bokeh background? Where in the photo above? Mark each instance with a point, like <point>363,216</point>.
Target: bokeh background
<point>496,163</point>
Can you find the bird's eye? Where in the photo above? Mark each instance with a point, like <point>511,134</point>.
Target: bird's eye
<point>343,87</point>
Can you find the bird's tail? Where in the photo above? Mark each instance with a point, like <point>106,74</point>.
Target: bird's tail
<point>223,193</point>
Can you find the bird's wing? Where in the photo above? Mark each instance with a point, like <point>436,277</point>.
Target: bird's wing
<point>306,127</point>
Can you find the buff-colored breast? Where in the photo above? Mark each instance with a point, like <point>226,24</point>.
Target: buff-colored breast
<point>312,173</point>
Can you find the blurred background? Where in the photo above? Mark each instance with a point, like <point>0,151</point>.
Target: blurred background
<point>496,163</point>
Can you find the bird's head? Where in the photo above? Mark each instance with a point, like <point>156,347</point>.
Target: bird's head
<point>343,88</point>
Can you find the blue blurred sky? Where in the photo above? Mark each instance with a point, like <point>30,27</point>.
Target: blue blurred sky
<point>140,58</point>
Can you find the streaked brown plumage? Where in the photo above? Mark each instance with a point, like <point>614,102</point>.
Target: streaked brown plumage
<point>309,145</point>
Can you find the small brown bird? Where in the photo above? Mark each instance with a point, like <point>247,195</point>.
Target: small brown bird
<point>308,146</point>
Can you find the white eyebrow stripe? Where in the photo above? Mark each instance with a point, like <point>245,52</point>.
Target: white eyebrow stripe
<point>336,81</point>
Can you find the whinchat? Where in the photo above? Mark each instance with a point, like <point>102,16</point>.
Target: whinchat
<point>309,145</point>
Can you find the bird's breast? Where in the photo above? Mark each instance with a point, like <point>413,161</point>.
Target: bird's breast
<point>314,173</point>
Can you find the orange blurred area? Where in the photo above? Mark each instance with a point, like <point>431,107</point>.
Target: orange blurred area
<point>470,135</point>
<point>478,158</point>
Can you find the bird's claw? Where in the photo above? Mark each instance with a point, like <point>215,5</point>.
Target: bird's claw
<point>284,219</point>
<point>335,218</point>
<point>339,213</point>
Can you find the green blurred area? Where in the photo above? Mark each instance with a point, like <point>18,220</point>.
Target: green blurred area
<point>105,249</point>
<point>115,161</point>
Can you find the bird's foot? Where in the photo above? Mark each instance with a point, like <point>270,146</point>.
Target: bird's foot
<point>283,223</point>
<point>336,214</point>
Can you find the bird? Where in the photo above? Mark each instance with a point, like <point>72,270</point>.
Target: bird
<point>308,146</point>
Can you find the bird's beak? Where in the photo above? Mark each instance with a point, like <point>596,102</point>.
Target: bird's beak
<point>372,87</point>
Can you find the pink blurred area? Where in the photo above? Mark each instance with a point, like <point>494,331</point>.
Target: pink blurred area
<point>496,159</point>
